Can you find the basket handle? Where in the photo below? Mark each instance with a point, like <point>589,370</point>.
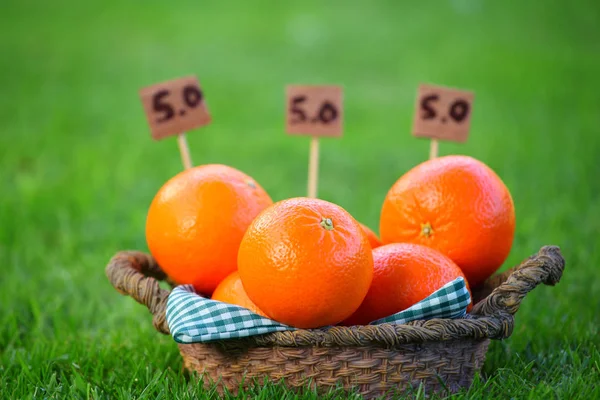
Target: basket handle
<point>509,288</point>
<point>137,274</point>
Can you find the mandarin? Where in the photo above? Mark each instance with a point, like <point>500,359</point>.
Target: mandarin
<point>231,291</point>
<point>373,239</point>
<point>197,220</point>
<point>457,205</point>
<point>403,275</point>
<point>306,263</point>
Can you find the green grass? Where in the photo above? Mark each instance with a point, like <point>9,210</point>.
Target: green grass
<point>78,169</point>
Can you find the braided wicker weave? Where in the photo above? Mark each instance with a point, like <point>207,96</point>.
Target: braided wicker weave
<point>442,355</point>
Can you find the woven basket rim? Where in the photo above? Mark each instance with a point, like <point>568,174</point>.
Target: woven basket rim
<point>137,274</point>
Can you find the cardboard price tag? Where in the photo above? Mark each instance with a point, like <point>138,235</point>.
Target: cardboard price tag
<point>443,113</point>
<point>174,107</point>
<point>314,110</point>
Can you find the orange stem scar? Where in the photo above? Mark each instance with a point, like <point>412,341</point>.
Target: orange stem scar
<point>327,223</point>
<point>426,230</point>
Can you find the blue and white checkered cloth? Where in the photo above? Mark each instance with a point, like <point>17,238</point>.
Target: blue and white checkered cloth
<point>195,319</point>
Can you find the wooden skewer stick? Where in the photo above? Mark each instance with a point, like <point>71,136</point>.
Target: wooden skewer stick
<point>313,167</point>
<point>184,150</point>
<point>433,149</point>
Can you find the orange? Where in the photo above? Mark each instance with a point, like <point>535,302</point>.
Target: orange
<point>231,291</point>
<point>306,263</point>
<point>373,239</point>
<point>457,205</point>
<point>197,220</point>
<point>404,274</point>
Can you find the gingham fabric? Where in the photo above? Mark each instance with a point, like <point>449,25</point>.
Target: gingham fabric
<point>195,319</point>
<point>450,301</point>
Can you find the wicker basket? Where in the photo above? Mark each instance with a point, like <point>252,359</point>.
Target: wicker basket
<point>442,355</point>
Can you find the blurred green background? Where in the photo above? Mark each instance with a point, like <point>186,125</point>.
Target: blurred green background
<point>78,168</point>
